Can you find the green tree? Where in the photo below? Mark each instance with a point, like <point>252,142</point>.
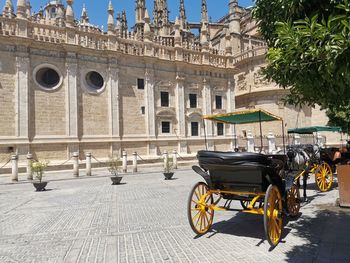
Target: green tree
<point>340,117</point>
<point>309,49</point>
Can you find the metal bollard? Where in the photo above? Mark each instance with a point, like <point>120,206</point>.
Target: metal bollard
<point>175,159</point>
<point>14,161</point>
<point>125,162</point>
<point>134,162</point>
<point>76,164</point>
<point>166,159</point>
<point>88,164</point>
<point>29,166</point>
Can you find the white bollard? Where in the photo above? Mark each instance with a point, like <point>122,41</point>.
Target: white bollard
<point>88,164</point>
<point>29,166</point>
<point>14,161</point>
<point>272,142</point>
<point>175,159</point>
<point>134,162</point>
<point>125,162</point>
<point>76,164</point>
<point>319,140</point>
<point>296,139</point>
<point>250,142</point>
<point>166,159</point>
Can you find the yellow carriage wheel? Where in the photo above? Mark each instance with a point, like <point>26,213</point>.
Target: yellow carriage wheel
<point>324,177</point>
<point>199,212</point>
<point>293,201</point>
<point>273,215</point>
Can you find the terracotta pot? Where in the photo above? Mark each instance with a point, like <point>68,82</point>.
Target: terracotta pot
<point>344,185</point>
<point>40,186</point>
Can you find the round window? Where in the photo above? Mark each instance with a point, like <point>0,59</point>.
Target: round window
<point>94,80</point>
<point>47,77</point>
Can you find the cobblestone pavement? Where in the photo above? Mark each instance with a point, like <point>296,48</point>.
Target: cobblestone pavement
<point>145,220</point>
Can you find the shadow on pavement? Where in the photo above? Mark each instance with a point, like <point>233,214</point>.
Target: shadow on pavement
<point>246,225</point>
<point>327,236</point>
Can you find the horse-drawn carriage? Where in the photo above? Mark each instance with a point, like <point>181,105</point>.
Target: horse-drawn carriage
<point>255,179</point>
<point>312,159</point>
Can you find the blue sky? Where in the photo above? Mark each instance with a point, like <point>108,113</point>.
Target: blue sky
<point>97,9</point>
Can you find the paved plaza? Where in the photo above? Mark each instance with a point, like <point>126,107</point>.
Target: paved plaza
<point>145,220</point>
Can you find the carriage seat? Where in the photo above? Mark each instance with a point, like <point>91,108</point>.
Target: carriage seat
<point>232,158</point>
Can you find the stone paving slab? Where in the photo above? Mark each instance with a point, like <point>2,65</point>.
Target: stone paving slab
<point>144,220</point>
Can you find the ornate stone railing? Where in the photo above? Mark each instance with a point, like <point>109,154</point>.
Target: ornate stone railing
<point>261,51</point>
<point>8,27</point>
<point>126,43</point>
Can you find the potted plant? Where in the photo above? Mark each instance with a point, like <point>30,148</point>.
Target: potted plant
<point>38,167</point>
<point>168,169</point>
<point>113,167</point>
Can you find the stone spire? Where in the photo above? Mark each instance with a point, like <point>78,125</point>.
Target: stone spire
<point>60,16</point>
<point>118,24</point>
<point>140,10</point>
<point>110,22</point>
<point>124,24</point>
<point>204,35</point>
<point>182,15</point>
<point>177,36</point>
<point>28,9</point>
<point>69,14</point>
<point>204,12</point>
<point>147,29</point>
<point>228,45</point>
<point>7,11</point>
<point>161,17</point>
<point>21,9</point>
<point>84,17</point>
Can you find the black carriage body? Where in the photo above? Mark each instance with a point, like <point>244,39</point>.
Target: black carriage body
<point>239,172</point>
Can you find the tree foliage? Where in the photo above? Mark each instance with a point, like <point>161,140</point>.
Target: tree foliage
<point>309,49</point>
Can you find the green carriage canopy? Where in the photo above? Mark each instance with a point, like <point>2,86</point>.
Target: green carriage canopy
<point>246,116</point>
<point>312,129</point>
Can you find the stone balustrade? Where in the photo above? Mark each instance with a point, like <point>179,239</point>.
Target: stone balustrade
<point>127,43</point>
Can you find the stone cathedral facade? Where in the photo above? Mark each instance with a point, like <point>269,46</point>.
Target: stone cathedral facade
<point>67,85</point>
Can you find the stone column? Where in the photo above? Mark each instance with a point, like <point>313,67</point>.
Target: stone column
<point>231,106</point>
<point>180,113</point>
<point>72,111</point>
<point>150,110</point>
<point>29,166</point>
<point>207,110</point>
<point>22,96</point>
<point>113,96</point>
<point>150,103</point>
